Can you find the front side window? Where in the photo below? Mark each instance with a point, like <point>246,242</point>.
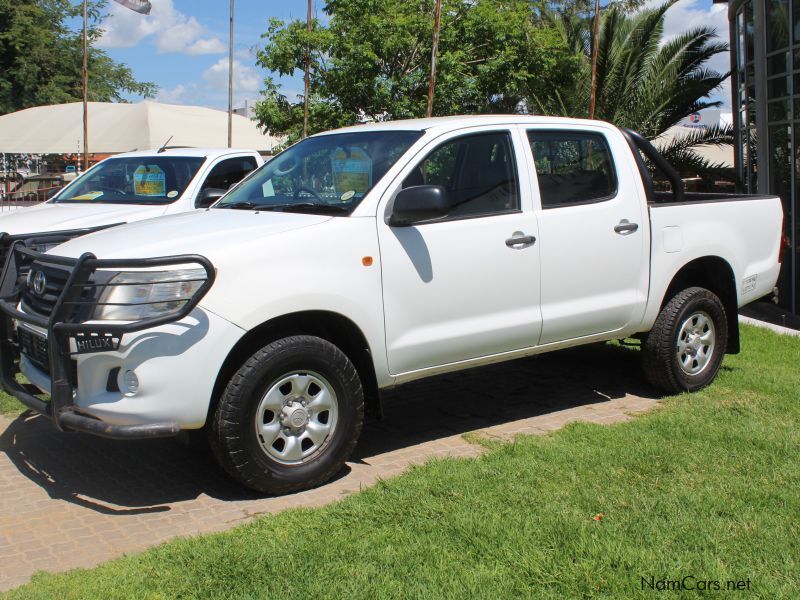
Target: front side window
<point>133,180</point>
<point>229,172</point>
<point>478,172</point>
<point>322,174</point>
<point>572,167</point>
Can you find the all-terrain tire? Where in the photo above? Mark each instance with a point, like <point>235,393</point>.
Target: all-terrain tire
<point>679,327</point>
<point>245,453</point>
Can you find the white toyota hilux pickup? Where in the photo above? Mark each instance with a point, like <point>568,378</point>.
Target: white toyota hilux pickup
<point>129,187</point>
<point>367,257</point>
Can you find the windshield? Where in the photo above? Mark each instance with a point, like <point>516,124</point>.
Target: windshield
<point>133,180</point>
<point>329,173</point>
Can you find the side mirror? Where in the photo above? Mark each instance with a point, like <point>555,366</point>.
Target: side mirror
<point>208,196</point>
<point>417,204</point>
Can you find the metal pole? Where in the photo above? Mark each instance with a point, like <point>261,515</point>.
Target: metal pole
<point>432,82</point>
<point>308,72</point>
<point>593,99</point>
<point>85,96</point>
<point>230,84</point>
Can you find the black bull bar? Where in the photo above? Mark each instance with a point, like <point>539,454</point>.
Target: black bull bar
<point>65,323</point>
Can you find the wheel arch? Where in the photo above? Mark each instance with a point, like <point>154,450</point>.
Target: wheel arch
<point>333,327</point>
<point>716,275</point>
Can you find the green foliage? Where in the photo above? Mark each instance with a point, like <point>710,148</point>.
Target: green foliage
<point>371,60</point>
<point>705,486</point>
<point>641,83</point>
<point>41,57</point>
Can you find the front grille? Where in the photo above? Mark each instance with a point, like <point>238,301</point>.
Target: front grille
<point>43,305</point>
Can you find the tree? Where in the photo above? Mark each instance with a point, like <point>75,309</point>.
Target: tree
<point>371,60</point>
<point>40,57</point>
<point>642,83</point>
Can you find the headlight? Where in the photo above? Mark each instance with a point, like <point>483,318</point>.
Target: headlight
<point>136,295</point>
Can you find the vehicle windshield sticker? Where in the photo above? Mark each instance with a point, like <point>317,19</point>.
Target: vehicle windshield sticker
<point>87,196</point>
<point>149,180</point>
<point>347,195</point>
<point>172,194</point>
<point>352,170</point>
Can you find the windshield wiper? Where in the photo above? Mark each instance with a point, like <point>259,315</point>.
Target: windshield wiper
<point>241,205</point>
<point>306,207</point>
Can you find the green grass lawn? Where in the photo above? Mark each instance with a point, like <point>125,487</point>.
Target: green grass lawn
<point>10,406</point>
<point>708,486</point>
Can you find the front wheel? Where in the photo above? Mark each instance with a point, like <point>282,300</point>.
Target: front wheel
<point>290,416</point>
<point>684,350</point>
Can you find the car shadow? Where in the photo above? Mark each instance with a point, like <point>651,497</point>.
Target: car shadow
<point>134,477</point>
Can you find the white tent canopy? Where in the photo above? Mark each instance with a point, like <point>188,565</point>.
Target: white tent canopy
<point>117,127</point>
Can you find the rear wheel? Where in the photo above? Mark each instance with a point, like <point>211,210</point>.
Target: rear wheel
<point>684,350</point>
<point>289,417</point>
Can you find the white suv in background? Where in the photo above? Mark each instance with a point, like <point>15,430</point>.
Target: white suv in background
<point>131,187</point>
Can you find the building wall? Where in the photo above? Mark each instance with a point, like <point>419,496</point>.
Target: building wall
<point>765,71</point>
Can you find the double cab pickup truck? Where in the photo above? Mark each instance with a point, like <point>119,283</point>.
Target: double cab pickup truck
<point>130,187</point>
<point>371,256</point>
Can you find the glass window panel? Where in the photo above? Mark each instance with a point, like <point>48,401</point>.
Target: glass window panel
<point>778,87</point>
<point>795,21</point>
<point>749,30</point>
<point>777,64</point>
<point>739,39</point>
<point>777,24</point>
<point>778,111</point>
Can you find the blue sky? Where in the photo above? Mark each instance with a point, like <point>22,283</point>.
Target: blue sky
<point>183,44</point>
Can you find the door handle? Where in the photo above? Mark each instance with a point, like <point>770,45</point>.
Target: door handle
<point>519,240</point>
<point>625,227</point>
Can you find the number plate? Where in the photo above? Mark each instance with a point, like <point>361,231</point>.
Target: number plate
<point>34,346</point>
<point>88,343</point>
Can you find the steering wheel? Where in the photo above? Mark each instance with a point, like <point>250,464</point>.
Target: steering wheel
<point>308,191</point>
<point>291,167</point>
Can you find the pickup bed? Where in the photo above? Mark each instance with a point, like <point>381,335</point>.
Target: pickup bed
<point>366,257</point>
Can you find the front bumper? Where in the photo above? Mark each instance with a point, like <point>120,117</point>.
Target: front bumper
<point>62,328</point>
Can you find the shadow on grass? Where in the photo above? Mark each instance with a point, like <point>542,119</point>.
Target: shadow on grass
<point>132,477</point>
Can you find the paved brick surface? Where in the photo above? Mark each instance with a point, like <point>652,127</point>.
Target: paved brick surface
<point>72,500</point>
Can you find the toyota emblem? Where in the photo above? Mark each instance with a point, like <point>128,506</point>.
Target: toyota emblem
<point>39,283</point>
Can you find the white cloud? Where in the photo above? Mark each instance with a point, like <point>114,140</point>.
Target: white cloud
<point>689,14</point>
<point>245,78</point>
<point>177,95</point>
<point>171,30</point>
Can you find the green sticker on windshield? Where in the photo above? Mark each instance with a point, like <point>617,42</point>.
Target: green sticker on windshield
<point>149,180</point>
<point>352,170</point>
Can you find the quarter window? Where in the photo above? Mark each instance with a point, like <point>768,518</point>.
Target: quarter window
<point>478,172</point>
<point>572,167</point>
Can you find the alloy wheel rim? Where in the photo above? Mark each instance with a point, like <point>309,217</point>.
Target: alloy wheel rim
<point>296,417</point>
<point>696,343</point>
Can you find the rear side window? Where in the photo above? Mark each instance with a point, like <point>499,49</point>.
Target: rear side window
<point>573,167</point>
<point>478,171</point>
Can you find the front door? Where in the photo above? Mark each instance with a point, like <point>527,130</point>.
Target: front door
<point>460,287</point>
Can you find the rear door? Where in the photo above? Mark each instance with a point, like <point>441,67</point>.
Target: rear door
<point>594,232</point>
<point>461,287</point>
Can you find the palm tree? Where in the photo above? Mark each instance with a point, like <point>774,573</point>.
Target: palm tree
<point>642,83</point>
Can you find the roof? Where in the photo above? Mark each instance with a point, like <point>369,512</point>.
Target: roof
<point>457,121</point>
<point>191,152</point>
<point>120,127</point>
